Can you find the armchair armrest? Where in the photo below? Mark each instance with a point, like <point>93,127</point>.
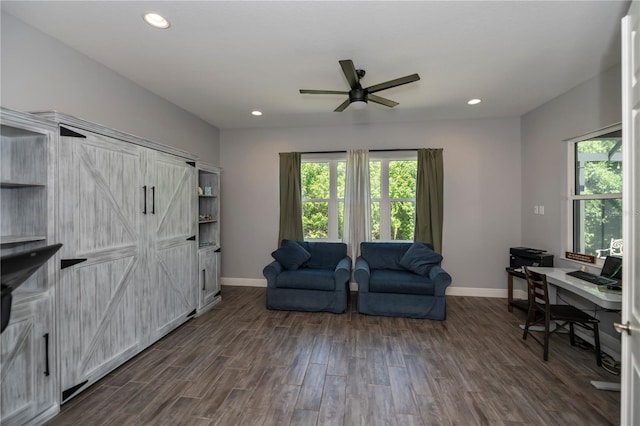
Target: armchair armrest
<point>271,271</point>
<point>441,280</point>
<point>342,273</point>
<point>361,274</point>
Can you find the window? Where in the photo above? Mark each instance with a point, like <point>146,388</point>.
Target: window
<point>596,192</point>
<point>393,195</point>
<point>393,198</point>
<point>322,198</point>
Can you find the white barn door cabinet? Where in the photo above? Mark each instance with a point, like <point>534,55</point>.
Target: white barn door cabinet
<point>129,255</point>
<point>208,236</point>
<point>28,221</point>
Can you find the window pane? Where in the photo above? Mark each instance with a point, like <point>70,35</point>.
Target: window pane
<point>374,178</point>
<point>599,165</point>
<point>402,179</point>
<point>402,220</point>
<point>340,219</point>
<point>375,221</point>
<point>315,219</point>
<point>341,172</point>
<point>595,223</point>
<point>315,180</point>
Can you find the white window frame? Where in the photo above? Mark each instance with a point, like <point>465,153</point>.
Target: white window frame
<point>333,159</point>
<point>385,201</point>
<point>571,185</point>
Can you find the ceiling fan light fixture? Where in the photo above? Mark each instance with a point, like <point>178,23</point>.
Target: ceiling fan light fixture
<point>358,98</point>
<point>359,104</point>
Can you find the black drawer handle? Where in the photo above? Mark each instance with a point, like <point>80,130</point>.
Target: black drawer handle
<point>153,200</point>
<point>144,188</point>
<point>46,352</point>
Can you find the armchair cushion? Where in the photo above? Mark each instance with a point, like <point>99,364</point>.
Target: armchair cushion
<point>420,258</point>
<point>384,255</point>
<point>309,279</point>
<point>387,281</point>
<point>291,255</point>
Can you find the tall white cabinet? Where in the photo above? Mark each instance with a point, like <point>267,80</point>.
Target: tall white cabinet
<point>129,258</point>
<point>209,250</point>
<point>140,253</point>
<point>27,221</point>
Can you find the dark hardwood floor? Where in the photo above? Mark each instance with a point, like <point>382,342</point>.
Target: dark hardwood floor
<point>241,364</point>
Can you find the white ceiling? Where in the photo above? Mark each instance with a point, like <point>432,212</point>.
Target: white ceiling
<point>222,59</point>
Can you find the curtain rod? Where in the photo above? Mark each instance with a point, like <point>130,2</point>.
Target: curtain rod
<point>371,150</point>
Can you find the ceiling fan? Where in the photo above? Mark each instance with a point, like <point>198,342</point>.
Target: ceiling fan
<point>359,95</point>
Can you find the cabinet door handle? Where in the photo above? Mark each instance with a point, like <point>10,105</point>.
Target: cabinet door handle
<point>153,200</point>
<point>46,353</point>
<point>144,188</point>
<point>204,279</point>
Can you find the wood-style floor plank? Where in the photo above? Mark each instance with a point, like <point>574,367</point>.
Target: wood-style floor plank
<point>241,364</point>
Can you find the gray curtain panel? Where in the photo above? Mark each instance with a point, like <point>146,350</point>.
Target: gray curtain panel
<point>290,197</point>
<point>429,201</point>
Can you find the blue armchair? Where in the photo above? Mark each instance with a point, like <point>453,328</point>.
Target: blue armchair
<point>309,276</point>
<point>401,279</point>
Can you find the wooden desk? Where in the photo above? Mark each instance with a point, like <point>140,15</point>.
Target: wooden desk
<point>521,304</point>
<point>558,277</point>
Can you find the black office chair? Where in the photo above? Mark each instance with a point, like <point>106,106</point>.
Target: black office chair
<point>541,312</point>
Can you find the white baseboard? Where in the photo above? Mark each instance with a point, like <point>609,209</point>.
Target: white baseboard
<point>353,286</point>
<point>243,282</point>
<point>484,292</point>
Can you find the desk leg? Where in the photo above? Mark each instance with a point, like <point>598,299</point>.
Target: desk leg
<point>509,292</point>
<point>607,386</point>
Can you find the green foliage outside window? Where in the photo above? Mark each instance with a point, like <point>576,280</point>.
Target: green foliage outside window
<point>402,184</point>
<point>598,171</point>
<point>319,204</point>
<point>316,195</point>
<point>401,197</point>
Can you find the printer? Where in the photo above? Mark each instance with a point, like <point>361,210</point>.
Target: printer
<point>525,256</point>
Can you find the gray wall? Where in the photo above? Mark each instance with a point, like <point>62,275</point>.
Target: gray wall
<point>588,107</point>
<point>38,73</point>
<point>482,216</point>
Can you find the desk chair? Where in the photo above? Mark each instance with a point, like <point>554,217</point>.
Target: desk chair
<point>541,312</point>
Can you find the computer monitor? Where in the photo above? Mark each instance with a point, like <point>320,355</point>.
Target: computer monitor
<point>15,269</point>
<point>612,268</point>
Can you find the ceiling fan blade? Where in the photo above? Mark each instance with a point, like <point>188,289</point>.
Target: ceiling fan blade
<point>350,72</point>
<point>382,101</point>
<point>342,106</point>
<point>393,83</point>
<point>324,92</point>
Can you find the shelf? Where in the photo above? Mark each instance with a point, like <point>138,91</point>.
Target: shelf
<point>207,221</point>
<point>208,196</point>
<point>14,184</point>
<point>20,239</point>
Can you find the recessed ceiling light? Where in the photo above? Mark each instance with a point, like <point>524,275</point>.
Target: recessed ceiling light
<point>474,101</point>
<point>256,113</point>
<point>156,20</point>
